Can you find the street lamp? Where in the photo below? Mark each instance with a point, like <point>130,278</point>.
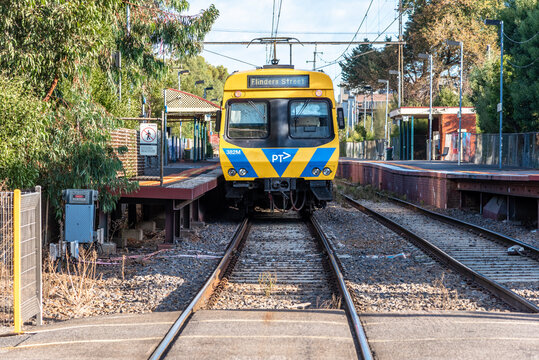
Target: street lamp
<point>387,100</point>
<point>367,88</point>
<point>180,72</point>
<point>429,56</point>
<point>206,89</point>
<point>499,108</point>
<point>459,141</point>
<point>395,72</point>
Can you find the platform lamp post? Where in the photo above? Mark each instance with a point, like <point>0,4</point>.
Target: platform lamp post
<point>181,72</point>
<point>387,101</point>
<point>367,89</point>
<point>395,72</point>
<point>499,108</point>
<point>459,137</point>
<point>429,57</point>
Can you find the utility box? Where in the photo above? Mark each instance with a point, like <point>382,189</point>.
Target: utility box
<point>79,215</point>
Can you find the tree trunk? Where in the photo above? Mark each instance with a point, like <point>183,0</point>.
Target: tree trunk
<point>53,86</point>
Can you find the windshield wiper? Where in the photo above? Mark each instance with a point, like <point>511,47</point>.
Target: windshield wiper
<point>296,116</point>
<point>258,111</point>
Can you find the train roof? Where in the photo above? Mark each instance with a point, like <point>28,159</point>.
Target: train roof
<point>239,80</point>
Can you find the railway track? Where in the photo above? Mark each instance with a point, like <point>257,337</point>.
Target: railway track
<point>479,254</point>
<point>289,259</point>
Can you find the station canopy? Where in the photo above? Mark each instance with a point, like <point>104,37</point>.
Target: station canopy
<point>184,106</point>
<point>423,111</point>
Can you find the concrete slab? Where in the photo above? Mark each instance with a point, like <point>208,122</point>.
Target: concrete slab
<point>128,336</point>
<point>221,334</point>
<point>452,335</point>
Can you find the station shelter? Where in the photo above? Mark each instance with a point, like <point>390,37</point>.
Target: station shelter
<point>181,106</point>
<point>445,126</point>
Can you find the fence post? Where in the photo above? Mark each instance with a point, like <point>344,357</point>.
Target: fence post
<point>17,319</point>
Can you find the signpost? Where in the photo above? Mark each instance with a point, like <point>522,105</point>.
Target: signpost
<point>148,139</point>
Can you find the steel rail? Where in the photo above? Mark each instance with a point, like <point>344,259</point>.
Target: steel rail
<point>534,251</point>
<point>361,338</point>
<point>204,293</point>
<point>494,287</point>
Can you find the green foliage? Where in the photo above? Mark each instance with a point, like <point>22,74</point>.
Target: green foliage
<point>23,145</point>
<point>448,97</point>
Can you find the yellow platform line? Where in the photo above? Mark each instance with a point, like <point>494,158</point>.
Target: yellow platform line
<point>179,176</point>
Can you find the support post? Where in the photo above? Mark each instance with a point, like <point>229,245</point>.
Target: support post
<point>412,141</point>
<point>163,153</point>
<point>17,319</point>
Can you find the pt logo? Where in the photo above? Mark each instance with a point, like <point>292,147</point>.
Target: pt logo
<point>280,158</point>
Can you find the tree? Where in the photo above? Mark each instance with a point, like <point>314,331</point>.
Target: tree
<point>433,22</point>
<point>521,26</point>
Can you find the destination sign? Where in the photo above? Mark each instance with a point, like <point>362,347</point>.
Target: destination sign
<point>278,81</point>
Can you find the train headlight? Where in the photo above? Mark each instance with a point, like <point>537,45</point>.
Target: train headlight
<point>326,171</point>
<point>231,172</point>
<point>315,171</point>
<point>242,172</point>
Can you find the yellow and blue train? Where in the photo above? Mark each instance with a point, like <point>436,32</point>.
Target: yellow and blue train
<point>278,138</point>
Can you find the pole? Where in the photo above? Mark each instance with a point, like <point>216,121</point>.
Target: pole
<point>460,105</point>
<point>179,81</point>
<point>165,141</point>
<point>372,111</point>
<point>290,54</point>
<point>412,141</point>
<point>501,92</point>
<point>430,109</point>
<point>128,19</point>
<point>17,317</point>
<point>163,131</point>
<point>365,111</point>
<point>401,70</point>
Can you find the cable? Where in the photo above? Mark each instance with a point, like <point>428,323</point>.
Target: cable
<point>395,19</point>
<point>357,31</point>
<point>295,32</point>
<point>228,57</point>
<point>520,42</point>
<point>524,66</point>
<point>278,18</point>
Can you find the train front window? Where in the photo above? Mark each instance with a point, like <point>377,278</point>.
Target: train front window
<point>309,119</point>
<point>248,119</point>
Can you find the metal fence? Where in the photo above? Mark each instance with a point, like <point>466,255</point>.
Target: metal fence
<point>20,247</point>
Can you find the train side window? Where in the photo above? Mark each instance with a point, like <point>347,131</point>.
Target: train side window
<point>309,119</point>
<point>248,119</point>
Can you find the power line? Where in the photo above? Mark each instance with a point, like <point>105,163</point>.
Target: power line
<point>228,57</point>
<point>278,18</point>
<point>523,66</point>
<point>295,32</point>
<point>357,31</point>
<point>520,42</point>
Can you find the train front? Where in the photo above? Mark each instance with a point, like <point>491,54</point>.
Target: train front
<point>279,145</point>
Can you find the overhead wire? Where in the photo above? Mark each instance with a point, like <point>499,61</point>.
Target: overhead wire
<point>229,57</point>
<point>522,66</point>
<point>520,42</point>
<point>357,31</point>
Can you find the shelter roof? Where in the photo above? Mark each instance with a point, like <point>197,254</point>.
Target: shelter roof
<point>423,111</point>
<point>182,104</point>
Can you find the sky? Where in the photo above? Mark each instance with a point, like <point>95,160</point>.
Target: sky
<point>316,20</point>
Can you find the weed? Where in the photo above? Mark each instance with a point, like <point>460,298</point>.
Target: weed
<point>74,282</point>
<point>447,299</point>
<point>334,303</point>
<point>267,281</point>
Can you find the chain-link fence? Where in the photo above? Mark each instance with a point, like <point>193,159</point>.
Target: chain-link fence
<point>6,261</point>
<point>20,259</point>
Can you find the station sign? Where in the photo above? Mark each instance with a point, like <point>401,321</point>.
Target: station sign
<point>277,81</point>
<point>148,134</point>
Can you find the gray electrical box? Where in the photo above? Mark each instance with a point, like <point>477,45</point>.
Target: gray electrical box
<point>79,215</point>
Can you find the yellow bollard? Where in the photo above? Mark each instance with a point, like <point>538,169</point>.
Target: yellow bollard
<point>17,320</point>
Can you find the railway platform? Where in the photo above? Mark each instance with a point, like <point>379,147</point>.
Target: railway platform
<point>445,184</point>
<point>283,334</point>
<point>178,197</point>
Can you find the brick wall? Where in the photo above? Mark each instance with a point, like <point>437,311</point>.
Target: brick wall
<point>418,186</point>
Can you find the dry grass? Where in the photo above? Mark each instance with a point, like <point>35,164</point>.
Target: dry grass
<point>334,303</point>
<point>73,283</point>
<point>447,299</point>
<point>267,281</point>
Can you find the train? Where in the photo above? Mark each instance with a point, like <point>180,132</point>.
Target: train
<point>278,138</point>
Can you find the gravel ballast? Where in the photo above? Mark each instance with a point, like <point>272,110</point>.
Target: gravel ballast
<point>166,281</point>
<point>388,274</point>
